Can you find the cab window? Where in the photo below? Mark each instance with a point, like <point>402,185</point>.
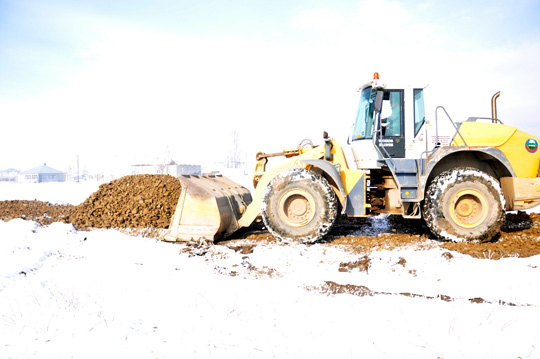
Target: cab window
<point>419,110</point>
<point>363,126</point>
<point>392,113</point>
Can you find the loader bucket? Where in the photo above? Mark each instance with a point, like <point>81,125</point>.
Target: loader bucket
<point>209,208</point>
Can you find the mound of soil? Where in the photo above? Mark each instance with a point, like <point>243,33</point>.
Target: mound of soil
<point>38,211</point>
<point>138,201</point>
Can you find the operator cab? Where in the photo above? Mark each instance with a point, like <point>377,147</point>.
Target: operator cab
<point>381,130</point>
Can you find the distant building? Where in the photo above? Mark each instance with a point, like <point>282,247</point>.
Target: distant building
<point>9,175</point>
<point>177,170</point>
<point>172,169</point>
<point>41,174</point>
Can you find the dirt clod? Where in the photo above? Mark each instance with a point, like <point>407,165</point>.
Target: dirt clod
<point>362,265</point>
<point>402,261</point>
<point>447,255</point>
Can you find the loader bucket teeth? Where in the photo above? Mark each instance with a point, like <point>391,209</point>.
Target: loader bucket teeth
<point>209,208</point>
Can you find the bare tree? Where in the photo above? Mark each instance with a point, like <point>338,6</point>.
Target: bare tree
<point>234,159</point>
<point>162,166</point>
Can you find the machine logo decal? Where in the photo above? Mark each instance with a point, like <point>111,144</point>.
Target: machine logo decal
<point>531,145</point>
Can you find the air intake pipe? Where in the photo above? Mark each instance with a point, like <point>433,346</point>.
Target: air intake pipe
<point>494,107</point>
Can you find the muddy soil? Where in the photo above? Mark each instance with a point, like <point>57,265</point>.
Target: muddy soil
<point>44,213</point>
<point>520,237</point>
<point>333,288</point>
<point>147,202</point>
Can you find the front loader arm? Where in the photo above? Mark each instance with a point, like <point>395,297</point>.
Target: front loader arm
<point>264,178</point>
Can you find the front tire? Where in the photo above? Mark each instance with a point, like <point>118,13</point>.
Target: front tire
<point>464,204</point>
<point>299,205</point>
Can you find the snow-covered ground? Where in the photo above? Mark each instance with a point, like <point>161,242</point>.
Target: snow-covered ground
<point>104,294</point>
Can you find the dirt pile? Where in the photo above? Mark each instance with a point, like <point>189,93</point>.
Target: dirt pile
<point>38,211</point>
<point>138,201</point>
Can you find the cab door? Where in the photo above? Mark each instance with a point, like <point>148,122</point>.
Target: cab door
<point>391,129</point>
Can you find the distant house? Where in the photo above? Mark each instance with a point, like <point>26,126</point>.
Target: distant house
<point>171,168</point>
<point>9,175</point>
<point>41,174</point>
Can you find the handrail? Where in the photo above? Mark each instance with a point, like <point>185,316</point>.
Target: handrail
<point>451,121</point>
<point>424,164</point>
<point>493,120</point>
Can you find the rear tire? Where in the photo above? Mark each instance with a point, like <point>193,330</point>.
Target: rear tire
<point>464,204</point>
<point>299,205</point>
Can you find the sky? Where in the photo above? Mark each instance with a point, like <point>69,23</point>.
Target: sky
<point>118,83</point>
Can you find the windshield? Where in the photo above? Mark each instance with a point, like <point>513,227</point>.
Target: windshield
<point>363,127</point>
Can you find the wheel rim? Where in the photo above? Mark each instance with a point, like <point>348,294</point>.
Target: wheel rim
<point>469,208</point>
<point>296,208</point>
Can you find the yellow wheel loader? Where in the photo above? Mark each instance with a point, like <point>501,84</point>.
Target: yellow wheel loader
<point>460,177</point>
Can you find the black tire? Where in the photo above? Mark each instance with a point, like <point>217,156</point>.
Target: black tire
<point>464,204</point>
<point>299,206</point>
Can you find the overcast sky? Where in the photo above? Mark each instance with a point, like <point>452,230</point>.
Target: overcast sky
<point>129,82</point>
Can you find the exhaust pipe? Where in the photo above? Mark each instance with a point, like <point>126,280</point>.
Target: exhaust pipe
<point>494,107</point>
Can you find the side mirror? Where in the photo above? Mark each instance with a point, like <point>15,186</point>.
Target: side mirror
<point>378,101</point>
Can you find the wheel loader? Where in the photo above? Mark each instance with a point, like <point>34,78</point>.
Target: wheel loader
<point>460,177</point>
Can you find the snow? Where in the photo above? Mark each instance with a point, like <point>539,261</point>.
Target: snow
<point>66,293</point>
